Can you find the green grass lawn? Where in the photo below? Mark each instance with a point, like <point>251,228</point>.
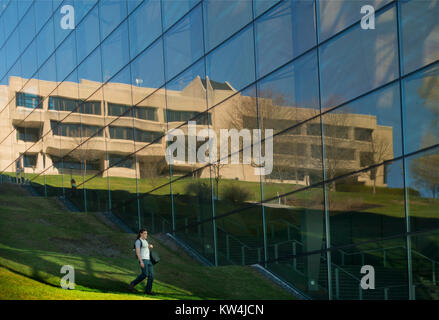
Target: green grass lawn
<point>146,185</point>
<point>38,237</point>
<point>385,203</point>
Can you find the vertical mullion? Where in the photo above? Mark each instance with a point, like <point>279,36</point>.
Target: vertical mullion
<point>260,126</point>
<point>212,195</point>
<point>105,113</point>
<point>133,113</point>
<point>325,196</point>
<point>404,170</point>
<point>171,193</point>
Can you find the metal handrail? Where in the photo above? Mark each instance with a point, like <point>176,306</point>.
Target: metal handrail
<point>425,257</point>
<point>370,250</point>
<point>389,248</point>
<point>347,272</point>
<point>236,239</point>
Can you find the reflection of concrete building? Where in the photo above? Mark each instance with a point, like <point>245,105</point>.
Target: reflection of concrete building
<point>352,141</point>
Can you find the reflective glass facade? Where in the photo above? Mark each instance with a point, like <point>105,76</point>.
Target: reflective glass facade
<point>354,114</point>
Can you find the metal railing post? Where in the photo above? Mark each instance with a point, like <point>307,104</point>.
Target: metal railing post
<point>227,247</point>
<point>386,293</point>
<point>276,253</point>
<point>360,292</point>
<point>294,253</point>
<point>337,286</point>
<point>434,272</point>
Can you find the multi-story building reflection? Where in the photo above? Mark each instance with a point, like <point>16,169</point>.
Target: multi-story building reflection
<point>352,141</point>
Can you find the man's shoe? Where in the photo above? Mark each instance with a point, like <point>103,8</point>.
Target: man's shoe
<point>151,293</point>
<point>131,288</point>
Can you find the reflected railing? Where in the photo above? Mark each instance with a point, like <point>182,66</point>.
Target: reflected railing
<point>434,264</point>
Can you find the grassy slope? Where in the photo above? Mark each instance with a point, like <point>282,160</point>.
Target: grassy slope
<point>38,237</point>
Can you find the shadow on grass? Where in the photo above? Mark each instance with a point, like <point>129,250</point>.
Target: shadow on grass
<point>87,278</point>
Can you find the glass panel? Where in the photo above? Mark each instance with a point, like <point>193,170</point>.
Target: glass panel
<point>308,272</point>
<point>43,10</point>
<point>145,25</point>
<point>373,123</point>
<point>240,238</point>
<point>230,71</point>
<point>156,203</point>
<point>423,190</point>
<point>193,205</point>
<point>60,32</point>
<point>389,262</point>
<point>115,51</point>
<point>111,14</point>
<point>335,16</point>
<point>421,106</point>
<point>132,4</point>
<point>92,102</point>
<point>234,122</point>
<point>27,25</point>
<point>174,10</point>
<point>191,184</point>
<point>121,164</point>
<point>295,226</point>
<point>343,77</point>
<point>90,69</point>
<point>66,57</point>
<point>52,177</point>
<point>147,72</point>
<point>283,33</point>
<point>30,123</point>
<point>260,6</point>
<point>295,86</point>
<point>10,18</point>
<point>367,205</point>
<point>297,160</point>
<point>186,93</point>
<point>82,7</point>
<point>29,61</point>
<point>3,65</point>
<point>223,18</point>
<point>88,34</point>
<point>155,200</point>
<point>363,133</point>
<point>23,6</point>
<point>45,42</point>
<point>12,50</point>
<point>420,33</point>
<point>425,265</point>
<point>73,164</point>
<point>183,43</point>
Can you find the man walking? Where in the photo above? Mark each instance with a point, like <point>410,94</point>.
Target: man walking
<point>143,255</point>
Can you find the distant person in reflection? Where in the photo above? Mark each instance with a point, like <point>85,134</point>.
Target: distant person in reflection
<point>73,182</point>
<point>142,248</point>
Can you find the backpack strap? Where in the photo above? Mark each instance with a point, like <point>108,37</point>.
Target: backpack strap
<point>141,244</point>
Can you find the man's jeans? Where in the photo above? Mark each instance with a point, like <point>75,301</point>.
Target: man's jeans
<point>147,271</point>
